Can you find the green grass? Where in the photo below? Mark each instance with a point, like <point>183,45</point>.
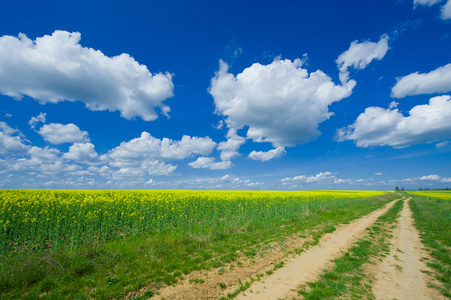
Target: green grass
<point>151,259</point>
<point>433,220</point>
<point>347,278</point>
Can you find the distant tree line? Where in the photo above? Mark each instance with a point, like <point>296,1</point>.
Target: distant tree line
<point>421,189</point>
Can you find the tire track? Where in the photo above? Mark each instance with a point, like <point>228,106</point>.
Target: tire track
<point>309,265</point>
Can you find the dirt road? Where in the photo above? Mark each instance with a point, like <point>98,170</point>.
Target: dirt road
<point>309,265</point>
<point>399,275</point>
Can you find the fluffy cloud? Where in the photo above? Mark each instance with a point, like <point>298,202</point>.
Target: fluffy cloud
<point>57,68</point>
<point>35,120</point>
<point>150,166</point>
<point>10,143</point>
<point>378,126</point>
<point>281,103</point>
<point>209,163</point>
<point>359,55</point>
<point>149,147</point>
<point>46,161</point>
<point>82,153</point>
<point>320,178</point>
<point>430,177</point>
<point>230,148</point>
<point>268,155</point>
<point>59,134</point>
<point>436,81</point>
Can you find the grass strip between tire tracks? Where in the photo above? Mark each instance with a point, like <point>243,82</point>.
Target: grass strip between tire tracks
<point>347,278</point>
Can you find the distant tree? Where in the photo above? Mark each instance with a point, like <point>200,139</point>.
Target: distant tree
<point>396,189</point>
<point>402,189</point>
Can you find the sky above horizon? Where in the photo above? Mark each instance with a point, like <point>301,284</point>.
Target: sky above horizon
<point>286,95</point>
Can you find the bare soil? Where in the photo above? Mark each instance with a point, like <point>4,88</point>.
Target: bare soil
<point>399,275</point>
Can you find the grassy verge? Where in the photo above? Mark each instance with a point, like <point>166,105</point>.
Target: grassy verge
<point>154,259</point>
<point>347,279</point>
<point>433,220</point>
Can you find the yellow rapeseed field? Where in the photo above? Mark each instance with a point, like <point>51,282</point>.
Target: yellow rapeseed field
<point>47,218</point>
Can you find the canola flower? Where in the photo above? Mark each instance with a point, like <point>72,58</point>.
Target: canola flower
<point>443,195</point>
<point>49,218</point>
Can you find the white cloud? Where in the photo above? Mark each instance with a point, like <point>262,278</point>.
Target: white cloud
<point>378,126</point>
<point>10,144</point>
<point>82,153</point>
<point>57,68</point>
<point>268,155</point>
<point>46,161</point>
<point>209,163</point>
<point>430,177</point>
<point>320,178</point>
<point>446,11</point>
<point>442,144</point>
<point>425,2</point>
<point>436,81</point>
<point>35,120</point>
<point>281,103</point>
<point>150,166</point>
<point>230,148</point>
<point>378,174</point>
<point>56,133</point>
<point>149,147</point>
<point>359,55</point>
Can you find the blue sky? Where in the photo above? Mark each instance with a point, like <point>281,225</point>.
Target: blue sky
<point>225,94</point>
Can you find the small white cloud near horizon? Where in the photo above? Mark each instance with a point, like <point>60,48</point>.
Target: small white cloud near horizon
<point>360,55</point>
<point>268,155</point>
<point>56,68</point>
<point>57,134</point>
<point>209,163</point>
<point>378,174</point>
<point>436,81</point>
<point>377,126</point>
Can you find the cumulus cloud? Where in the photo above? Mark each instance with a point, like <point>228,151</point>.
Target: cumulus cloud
<point>82,153</point>
<point>268,155</point>
<point>149,166</point>
<point>56,133</point>
<point>430,177</point>
<point>56,68</point>
<point>360,55</point>
<point>378,126</point>
<point>229,149</point>
<point>436,81</point>
<point>281,103</point>
<point>320,178</point>
<point>38,119</point>
<point>149,147</point>
<point>10,143</point>
<point>209,163</point>
<point>46,161</point>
